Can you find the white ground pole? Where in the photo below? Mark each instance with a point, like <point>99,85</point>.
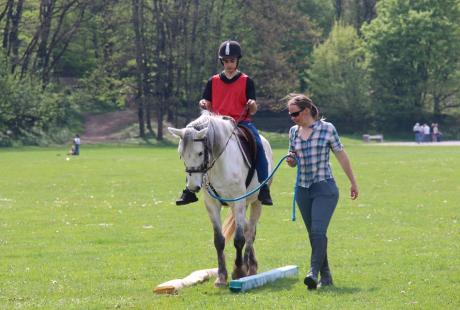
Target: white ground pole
<point>173,286</point>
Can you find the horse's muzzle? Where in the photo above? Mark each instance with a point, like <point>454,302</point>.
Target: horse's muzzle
<point>195,189</point>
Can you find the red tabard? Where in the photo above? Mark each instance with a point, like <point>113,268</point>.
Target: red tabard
<point>230,98</point>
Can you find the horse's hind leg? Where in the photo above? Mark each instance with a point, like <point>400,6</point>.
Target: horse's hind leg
<point>250,234</point>
<point>239,270</point>
<point>219,243</point>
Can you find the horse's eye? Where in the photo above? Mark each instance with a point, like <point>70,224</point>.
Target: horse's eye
<point>200,154</point>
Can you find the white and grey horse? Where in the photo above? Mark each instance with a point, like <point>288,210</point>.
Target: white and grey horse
<point>210,150</point>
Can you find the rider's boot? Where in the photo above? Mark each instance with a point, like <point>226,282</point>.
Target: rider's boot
<point>264,196</point>
<point>186,198</point>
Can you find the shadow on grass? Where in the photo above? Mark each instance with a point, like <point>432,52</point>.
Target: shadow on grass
<point>286,284</point>
<point>337,290</point>
<point>290,283</point>
<point>280,285</point>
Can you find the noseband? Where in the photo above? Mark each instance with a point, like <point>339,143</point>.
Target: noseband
<point>204,167</point>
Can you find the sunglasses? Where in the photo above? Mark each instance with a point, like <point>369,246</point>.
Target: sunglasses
<point>297,113</point>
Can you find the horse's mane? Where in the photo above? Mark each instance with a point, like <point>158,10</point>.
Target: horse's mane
<point>220,129</point>
<point>206,117</point>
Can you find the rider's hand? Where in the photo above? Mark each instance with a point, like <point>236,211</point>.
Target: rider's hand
<point>205,104</point>
<point>251,106</point>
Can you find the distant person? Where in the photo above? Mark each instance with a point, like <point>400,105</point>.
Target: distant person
<point>416,130</point>
<point>426,133</point>
<point>435,133</point>
<point>232,93</point>
<point>310,141</point>
<point>76,145</point>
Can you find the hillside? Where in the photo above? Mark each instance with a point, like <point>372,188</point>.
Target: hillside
<point>107,127</point>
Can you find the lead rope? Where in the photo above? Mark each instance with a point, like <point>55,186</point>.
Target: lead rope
<point>293,218</point>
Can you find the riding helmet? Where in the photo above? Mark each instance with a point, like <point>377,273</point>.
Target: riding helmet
<point>230,49</point>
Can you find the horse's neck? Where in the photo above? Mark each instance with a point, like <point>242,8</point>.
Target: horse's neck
<point>229,164</point>
<point>224,126</point>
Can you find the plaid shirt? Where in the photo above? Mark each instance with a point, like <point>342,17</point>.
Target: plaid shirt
<point>313,154</point>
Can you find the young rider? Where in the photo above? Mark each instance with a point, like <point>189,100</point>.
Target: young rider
<point>232,93</point>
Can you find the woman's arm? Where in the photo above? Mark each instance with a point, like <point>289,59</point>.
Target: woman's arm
<point>342,157</point>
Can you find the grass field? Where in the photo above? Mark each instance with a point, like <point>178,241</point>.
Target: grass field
<point>99,231</point>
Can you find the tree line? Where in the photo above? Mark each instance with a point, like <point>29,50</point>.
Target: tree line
<point>370,65</point>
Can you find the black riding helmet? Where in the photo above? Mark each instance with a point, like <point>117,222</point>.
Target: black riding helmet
<point>230,49</point>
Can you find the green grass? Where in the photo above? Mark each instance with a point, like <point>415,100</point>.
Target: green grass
<point>101,230</point>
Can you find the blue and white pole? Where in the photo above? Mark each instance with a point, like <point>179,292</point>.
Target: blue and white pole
<point>250,282</point>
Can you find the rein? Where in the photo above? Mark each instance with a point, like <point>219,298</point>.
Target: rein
<point>206,166</point>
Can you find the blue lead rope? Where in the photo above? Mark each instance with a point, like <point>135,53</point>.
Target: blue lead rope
<point>258,187</point>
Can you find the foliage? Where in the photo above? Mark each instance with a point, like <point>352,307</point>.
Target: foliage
<point>159,54</point>
<point>101,230</point>
<point>28,110</point>
<point>99,91</point>
<point>413,48</point>
<point>276,56</point>
<point>338,82</point>
<point>319,12</point>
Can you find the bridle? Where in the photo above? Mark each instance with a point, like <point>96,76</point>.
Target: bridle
<point>204,167</point>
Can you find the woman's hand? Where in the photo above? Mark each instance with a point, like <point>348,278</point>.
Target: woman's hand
<point>291,160</point>
<point>354,191</point>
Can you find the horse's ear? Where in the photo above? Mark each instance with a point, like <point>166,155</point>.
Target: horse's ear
<point>178,133</point>
<point>202,133</point>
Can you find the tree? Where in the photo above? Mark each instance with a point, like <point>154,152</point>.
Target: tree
<point>58,22</point>
<point>276,57</point>
<point>141,68</point>
<point>12,15</point>
<point>413,49</point>
<point>337,80</point>
<point>355,12</point>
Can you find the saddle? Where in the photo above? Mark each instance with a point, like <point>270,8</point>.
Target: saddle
<point>248,147</point>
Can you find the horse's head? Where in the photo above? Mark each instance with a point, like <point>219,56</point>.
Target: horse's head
<point>193,149</point>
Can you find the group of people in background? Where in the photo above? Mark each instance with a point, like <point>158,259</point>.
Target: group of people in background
<point>425,133</point>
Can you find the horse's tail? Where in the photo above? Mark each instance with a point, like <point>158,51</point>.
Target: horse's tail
<point>228,228</point>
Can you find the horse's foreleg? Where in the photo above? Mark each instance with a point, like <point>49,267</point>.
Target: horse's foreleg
<point>219,244</point>
<point>239,270</point>
<point>250,234</point>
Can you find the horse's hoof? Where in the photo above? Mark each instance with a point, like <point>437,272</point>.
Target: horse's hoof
<point>220,284</point>
<point>252,271</point>
<point>239,273</point>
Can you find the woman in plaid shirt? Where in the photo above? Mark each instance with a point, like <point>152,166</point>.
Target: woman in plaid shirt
<point>310,142</point>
